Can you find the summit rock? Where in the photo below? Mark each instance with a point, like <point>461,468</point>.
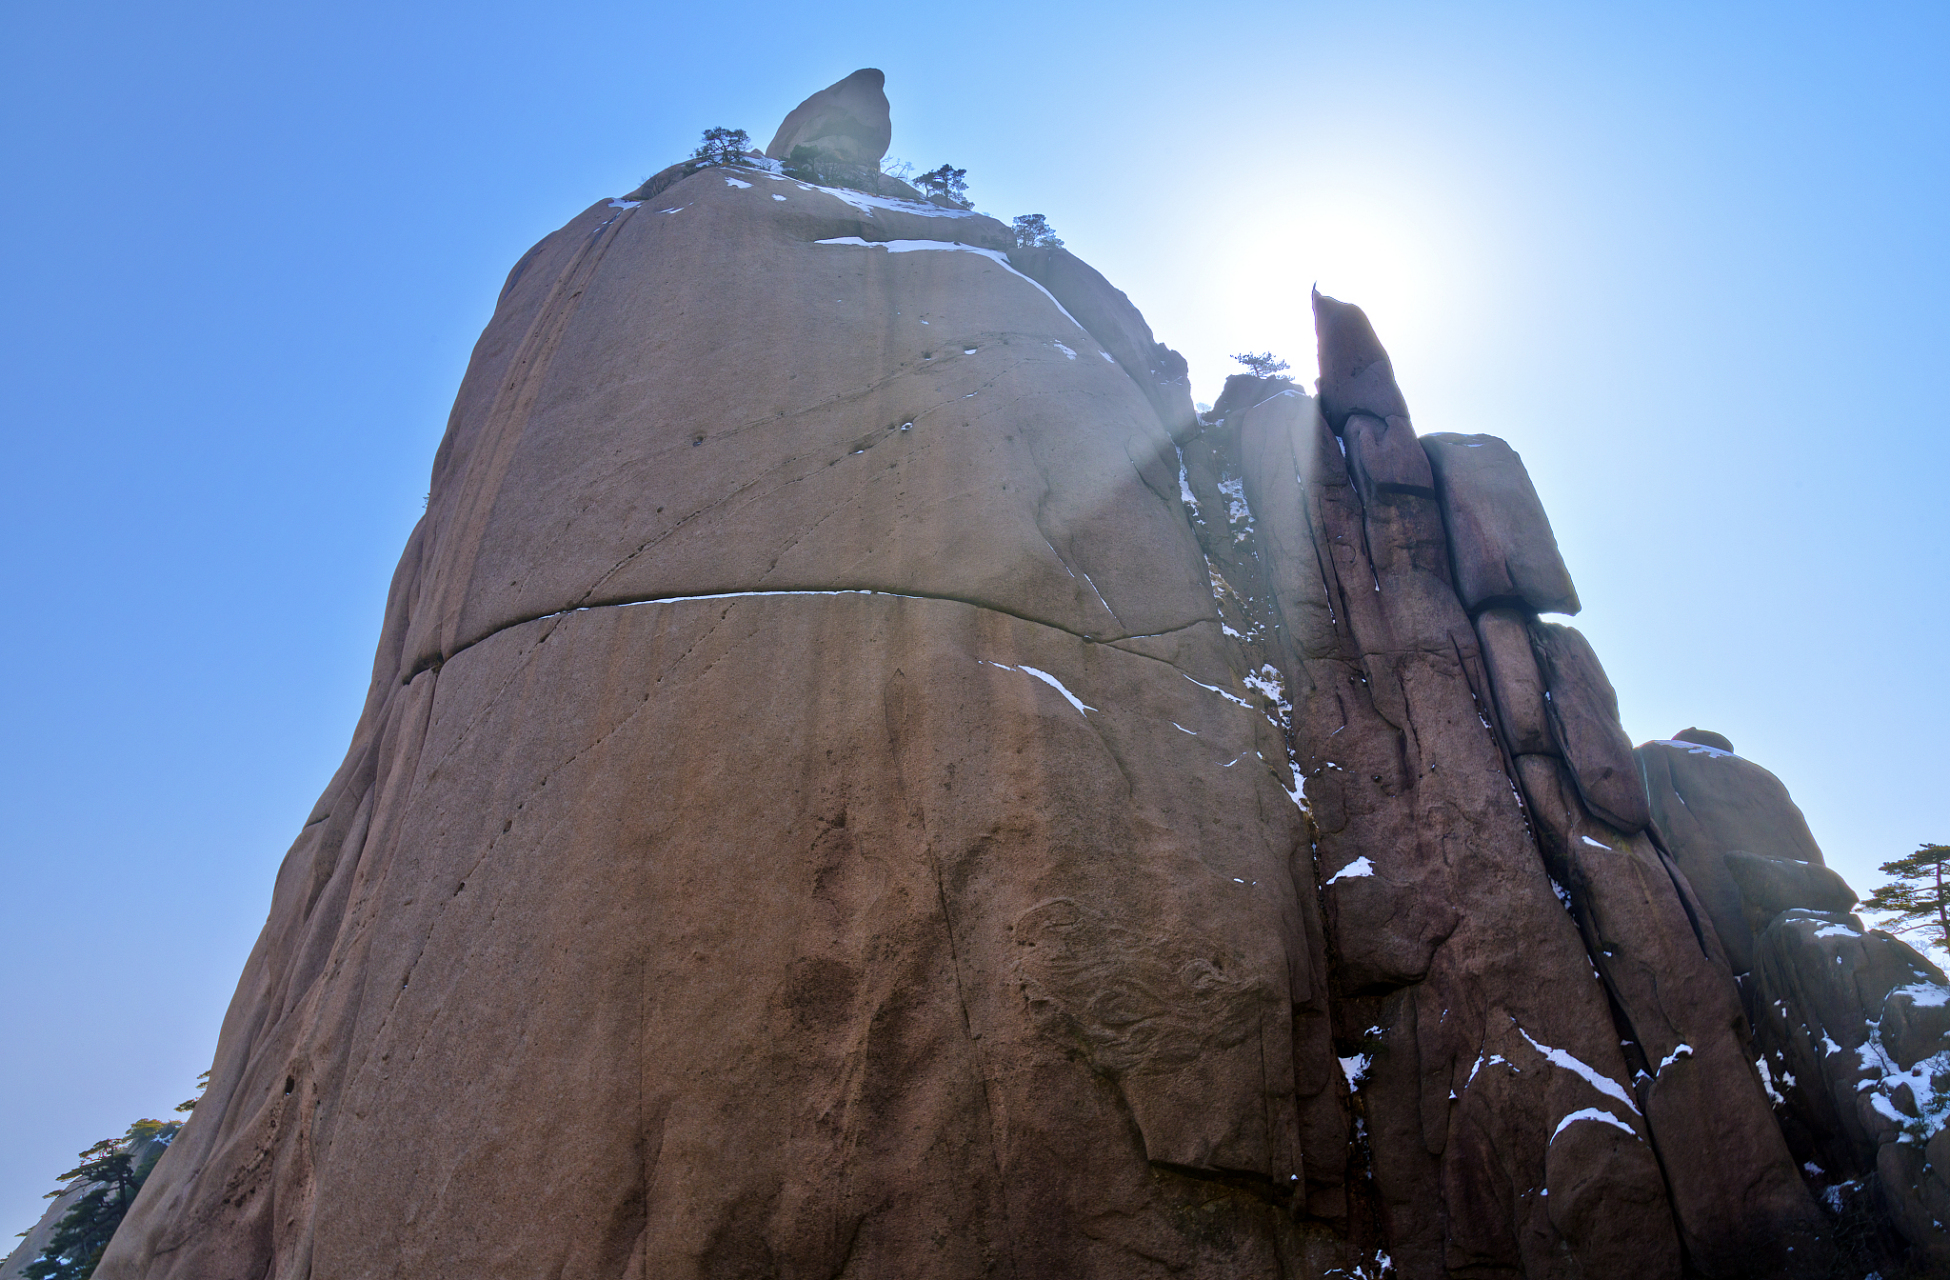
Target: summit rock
<point>849,120</point>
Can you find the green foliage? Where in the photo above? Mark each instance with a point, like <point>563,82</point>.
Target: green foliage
<point>721,146</point>
<point>946,181</point>
<point>1032,232</point>
<point>805,164</point>
<point>202,1083</point>
<point>1261,364</point>
<point>1914,901</point>
<point>110,1172</point>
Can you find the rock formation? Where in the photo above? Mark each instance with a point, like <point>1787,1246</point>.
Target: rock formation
<point>859,780</point>
<point>849,121</point>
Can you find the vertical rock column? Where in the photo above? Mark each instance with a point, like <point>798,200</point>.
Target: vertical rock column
<point>1492,1125</point>
<point>1736,1196</point>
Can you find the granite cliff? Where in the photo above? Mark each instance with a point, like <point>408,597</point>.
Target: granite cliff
<point>860,779</point>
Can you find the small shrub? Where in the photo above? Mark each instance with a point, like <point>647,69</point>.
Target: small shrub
<point>1033,232</point>
<point>803,163</point>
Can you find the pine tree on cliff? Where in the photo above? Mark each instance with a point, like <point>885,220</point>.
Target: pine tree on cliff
<point>946,181</point>
<point>1262,364</point>
<point>1916,900</point>
<point>1033,232</point>
<point>85,1229</point>
<point>721,146</point>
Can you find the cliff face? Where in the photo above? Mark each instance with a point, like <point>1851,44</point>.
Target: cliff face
<point>860,780</point>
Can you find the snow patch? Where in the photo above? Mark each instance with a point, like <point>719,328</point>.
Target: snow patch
<point>1353,870</point>
<point>954,246</point>
<point>1213,688</point>
<point>867,204</point>
<point>1602,1083</point>
<point>1767,1083</point>
<point>1185,486</point>
<point>1053,683</point>
<point>733,182</point>
<point>1695,748</point>
<point>1592,1113</point>
<point>1594,844</point>
<point>620,203</point>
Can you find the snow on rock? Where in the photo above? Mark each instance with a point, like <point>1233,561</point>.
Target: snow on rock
<point>952,246</point>
<point>1357,868</point>
<point>1593,1113</point>
<point>1053,683</point>
<point>1602,1083</point>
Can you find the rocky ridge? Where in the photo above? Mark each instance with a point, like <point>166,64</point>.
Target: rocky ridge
<point>861,779</point>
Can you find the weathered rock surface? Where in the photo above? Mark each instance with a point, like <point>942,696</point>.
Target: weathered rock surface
<point>1356,375</point>
<point>1704,738</point>
<point>1686,1042</point>
<point>1707,803</point>
<point>1851,1027</point>
<point>1501,540</point>
<point>1159,372</point>
<point>1519,685</point>
<point>1855,1025</point>
<point>850,121</point>
<point>1582,709</point>
<point>859,780</point>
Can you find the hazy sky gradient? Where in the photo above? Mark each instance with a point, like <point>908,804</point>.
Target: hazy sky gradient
<point>1688,259</point>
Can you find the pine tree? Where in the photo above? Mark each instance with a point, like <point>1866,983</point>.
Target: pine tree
<point>1033,232</point>
<point>1916,900</point>
<point>109,1170</point>
<point>946,181</point>
<point>721,146</point>
<point>1261,364</point>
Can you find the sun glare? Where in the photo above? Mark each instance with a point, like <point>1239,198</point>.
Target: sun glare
<point>1380,250</point>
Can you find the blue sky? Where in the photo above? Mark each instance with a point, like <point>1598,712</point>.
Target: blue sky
<point>1688,259</point>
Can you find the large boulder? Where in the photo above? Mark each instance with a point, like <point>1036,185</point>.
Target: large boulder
<point>1499,537</point>
<point>805,810</point>
<point>1854,1026</point>
<point>1769,886</point>
<point>1707,803</point>
<point>849,121</point>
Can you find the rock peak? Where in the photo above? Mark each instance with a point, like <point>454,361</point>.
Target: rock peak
<point>1356,375</point>
<point>848,120</point>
